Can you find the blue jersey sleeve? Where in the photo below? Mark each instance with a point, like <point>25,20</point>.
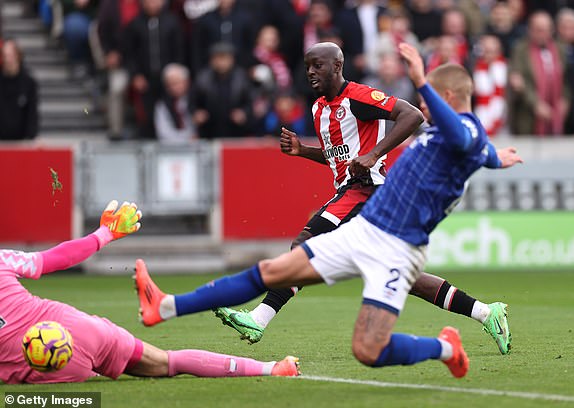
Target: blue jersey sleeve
<point>492,160</point>
<point>446,119</point>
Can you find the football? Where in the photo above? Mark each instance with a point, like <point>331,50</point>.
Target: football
<point>47,346</point>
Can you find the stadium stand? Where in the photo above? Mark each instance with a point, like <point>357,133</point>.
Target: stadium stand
<point>63,102</point>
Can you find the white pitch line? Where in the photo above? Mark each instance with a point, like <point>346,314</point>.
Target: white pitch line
<point>479,391</point>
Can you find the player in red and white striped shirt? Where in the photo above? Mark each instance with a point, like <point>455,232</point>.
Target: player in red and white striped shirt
<point>350,124</point>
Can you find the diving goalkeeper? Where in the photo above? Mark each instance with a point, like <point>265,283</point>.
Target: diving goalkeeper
<point>100,347</point>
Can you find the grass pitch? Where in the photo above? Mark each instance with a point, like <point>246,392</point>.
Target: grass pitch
<point>317,326</point>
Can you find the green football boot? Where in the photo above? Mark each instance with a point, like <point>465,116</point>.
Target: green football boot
<point>496,325</point>
<point>242,322</point>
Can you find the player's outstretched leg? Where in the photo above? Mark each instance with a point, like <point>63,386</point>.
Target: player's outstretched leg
<point>155,362</point>
<point>207,364</point>
<point>493,316</point>
<point>252,324</point>
<point>156,306</point>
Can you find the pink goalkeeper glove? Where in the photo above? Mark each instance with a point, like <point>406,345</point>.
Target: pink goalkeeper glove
<point>122,222</point>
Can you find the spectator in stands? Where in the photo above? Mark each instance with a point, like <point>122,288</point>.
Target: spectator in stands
<point>222,101</point>
<point>387,41</point>
<point>391,78</point>
<point>474,14</point>
<point>228,23</point>
<point>503,25</point>
<point>490,78</point>
<point>152,40</point>
<point>173,120</point>
<point>287,111</point>
<point>319,18</point>
<point>565,28</point>
<point>288,17</point>
<point>360,28</point>
<point>113,18</point>
<point>540,90</point>
<point>266,55</point>
<point>269,73</point>
<point>565,31</point>
<point>266,52</point>
<point>424,19</point>
<point>18,96</point>
<point>446,50</point>
<point>78,15</point>
<point>453,24</point>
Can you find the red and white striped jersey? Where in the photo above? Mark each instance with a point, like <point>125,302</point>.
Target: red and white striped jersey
<point>350,125</point>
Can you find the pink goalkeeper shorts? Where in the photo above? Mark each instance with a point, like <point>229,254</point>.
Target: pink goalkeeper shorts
<point>100,347</point>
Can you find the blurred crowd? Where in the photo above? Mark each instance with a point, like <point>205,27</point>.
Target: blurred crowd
<point>180,70</point>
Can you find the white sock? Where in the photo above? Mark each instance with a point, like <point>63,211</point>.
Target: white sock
<point>263,314</point>
<point>480,311</point>
<point>268,367</point>
<point>167,307</point>
<point>446,352</point>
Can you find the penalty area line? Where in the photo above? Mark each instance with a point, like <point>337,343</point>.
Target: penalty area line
<point>476,391</point>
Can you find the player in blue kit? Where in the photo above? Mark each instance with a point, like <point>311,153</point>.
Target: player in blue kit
<point>386,243</point>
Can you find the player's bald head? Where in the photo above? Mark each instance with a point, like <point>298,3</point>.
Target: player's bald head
<point>327,50</point>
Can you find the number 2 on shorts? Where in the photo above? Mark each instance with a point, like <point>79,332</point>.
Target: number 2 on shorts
<point>395,277</point>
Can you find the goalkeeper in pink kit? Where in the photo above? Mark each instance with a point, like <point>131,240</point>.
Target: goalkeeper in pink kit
<point>100,347</point>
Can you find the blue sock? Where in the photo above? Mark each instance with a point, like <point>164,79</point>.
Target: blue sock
<point>227,291</point>
<point>404,349</point>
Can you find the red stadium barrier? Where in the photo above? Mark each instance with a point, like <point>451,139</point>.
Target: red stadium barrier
<point>267,194</point>
<point>37,204</point>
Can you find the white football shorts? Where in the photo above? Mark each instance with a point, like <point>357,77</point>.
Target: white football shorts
<point>388,265</point>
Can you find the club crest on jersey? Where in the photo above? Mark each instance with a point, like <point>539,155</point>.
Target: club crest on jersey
<point>377,95</point>
<point>2,322</point>
<point>340,113</point>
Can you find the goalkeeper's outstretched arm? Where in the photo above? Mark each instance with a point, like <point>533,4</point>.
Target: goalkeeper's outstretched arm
<point>114,224</point>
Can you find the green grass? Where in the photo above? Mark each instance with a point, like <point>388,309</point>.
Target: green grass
<point>317,327</point>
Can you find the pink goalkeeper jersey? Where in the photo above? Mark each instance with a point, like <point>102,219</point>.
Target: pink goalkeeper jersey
<point>19,309</point>
<point>99,345</point>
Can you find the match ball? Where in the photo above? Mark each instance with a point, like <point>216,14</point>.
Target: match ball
<point>47,346</point>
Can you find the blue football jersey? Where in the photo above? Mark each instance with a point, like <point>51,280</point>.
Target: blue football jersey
<point>426,182</point>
